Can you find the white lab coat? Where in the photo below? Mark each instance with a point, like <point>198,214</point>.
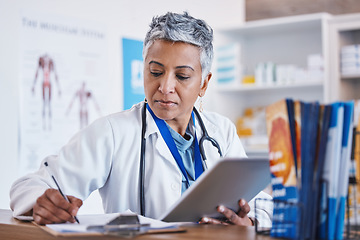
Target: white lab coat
<point>106,156</point>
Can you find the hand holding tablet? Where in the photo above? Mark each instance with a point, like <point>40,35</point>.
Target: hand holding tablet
<point>224,184</point>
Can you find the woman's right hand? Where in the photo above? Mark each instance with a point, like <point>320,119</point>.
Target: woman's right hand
<point>51,207</point>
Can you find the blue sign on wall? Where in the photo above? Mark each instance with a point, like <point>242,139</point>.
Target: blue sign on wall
<point>133,72</point>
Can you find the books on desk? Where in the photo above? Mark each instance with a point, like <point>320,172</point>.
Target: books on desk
<point>309,147</point>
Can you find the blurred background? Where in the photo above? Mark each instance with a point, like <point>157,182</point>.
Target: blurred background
<point>53,52</point>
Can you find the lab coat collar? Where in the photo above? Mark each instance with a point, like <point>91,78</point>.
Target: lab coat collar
<point>152,128</point>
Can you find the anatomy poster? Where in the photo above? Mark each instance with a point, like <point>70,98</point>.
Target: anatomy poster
<point>63,82</point>
<point>133,72</point>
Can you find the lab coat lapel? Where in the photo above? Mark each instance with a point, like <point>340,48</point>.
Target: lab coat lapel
<point>159,142</point>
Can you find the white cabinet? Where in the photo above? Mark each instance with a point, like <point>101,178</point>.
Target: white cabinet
<point>344,30</point>
<point>287,40</point>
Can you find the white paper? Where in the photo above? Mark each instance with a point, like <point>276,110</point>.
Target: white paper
<point>102,219</point>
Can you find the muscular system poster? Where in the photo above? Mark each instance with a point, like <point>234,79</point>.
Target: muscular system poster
<point>63,82</point>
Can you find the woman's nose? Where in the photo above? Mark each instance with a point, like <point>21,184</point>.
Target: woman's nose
<point>167,84</point>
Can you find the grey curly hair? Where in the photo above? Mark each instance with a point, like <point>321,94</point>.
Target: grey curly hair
<point>183,28</point>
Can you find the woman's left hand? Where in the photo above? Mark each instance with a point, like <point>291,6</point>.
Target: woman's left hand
<point>230,217</point>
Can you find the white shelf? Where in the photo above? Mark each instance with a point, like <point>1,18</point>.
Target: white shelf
<point>257,152</point>
<point>343,30</point>
<point>283,24</point>
<point>283,41</point>
<point>252,88</point>
<point>350,76</point>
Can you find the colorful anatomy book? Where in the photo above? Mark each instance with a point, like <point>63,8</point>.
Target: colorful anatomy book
<point>282,168</point>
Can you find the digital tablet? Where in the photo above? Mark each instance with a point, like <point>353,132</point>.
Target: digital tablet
<point>224,184</point>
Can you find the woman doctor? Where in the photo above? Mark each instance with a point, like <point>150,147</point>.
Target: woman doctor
<point>106,155</point>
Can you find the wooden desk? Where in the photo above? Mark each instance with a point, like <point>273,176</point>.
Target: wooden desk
<point>11,228</point>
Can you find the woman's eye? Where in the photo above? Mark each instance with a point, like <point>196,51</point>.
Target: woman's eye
<point>156,74</point>
<point>180,77</point>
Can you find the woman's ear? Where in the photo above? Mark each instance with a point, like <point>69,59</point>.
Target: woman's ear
<point>205,85</point>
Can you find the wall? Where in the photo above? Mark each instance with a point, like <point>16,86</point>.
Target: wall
<point>262,9</point>
<point>123,18</point>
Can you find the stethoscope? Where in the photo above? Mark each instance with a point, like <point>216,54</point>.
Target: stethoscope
<point>142,153</point>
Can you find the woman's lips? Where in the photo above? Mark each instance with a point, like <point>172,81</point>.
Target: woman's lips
<point>165,103</point>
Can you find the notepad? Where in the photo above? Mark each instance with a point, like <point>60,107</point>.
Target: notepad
<point>224,184</point>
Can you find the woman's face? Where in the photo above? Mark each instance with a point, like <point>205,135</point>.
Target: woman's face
<point>172,80</point>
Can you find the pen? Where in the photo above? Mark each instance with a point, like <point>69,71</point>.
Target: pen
<point>61,192</point>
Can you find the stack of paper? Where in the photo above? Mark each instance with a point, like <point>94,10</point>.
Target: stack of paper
<point>95,224</point>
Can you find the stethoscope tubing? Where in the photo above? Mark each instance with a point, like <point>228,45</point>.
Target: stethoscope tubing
<point>142,162</point>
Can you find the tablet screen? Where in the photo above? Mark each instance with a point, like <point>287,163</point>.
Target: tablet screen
<point>224,184</point>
